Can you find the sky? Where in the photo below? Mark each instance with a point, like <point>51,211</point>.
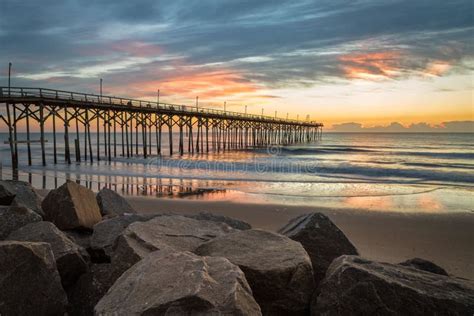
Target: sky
<point>375,64</point>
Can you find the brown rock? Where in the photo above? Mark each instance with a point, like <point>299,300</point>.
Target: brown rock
<point>29,280</point>
<point>277,268</point>
<point>356,286</point>
<point>180,283</point>
<point>321,238</point>
<point>72,206</point>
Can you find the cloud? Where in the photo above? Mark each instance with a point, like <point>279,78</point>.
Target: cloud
<point>206,85</point>
<point>268,43</point>
<point>395,127</point>
<point>371,65</point>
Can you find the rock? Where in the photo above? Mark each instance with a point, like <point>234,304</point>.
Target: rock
<point>106,233</point>
<point>178,232</point>
<point>164,232</point>
<point>232,222</point>
<point>14,217</point>
<point>180,283</point>
<point>81,238</point>
<point>6,196</point>
<point>425,265</point>
<point>355,286</point>
<point>112,203</point>
<point>29,280</point>
<point>72,206</point>
<point>23,195</point>
<point>89,289</point>
<point>277,268</point>
<point>67,254</point>
<point>321,238</point>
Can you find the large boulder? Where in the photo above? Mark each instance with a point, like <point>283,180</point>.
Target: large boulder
<point>178,232</point>
<point>29,281</point>
<point>232,222</point>
<point>20,193</point>
<point>277,268</point>
<point>163,233</point>
<point>67,254</point>
<point>90,288</point>
<point>356,286</point>
<point>14,217</point>
<point>321,238</point>
<point>72,206</point>
<point>425,265</point>
<point>180,283</point>
<point>106,233</point>
<point>113,204</point>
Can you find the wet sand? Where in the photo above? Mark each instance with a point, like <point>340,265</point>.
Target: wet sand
<point>445,239</point>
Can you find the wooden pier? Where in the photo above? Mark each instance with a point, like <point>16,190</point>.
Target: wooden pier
<point>124,127</point>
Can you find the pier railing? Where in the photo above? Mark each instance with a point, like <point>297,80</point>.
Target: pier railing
<point>61,95</point>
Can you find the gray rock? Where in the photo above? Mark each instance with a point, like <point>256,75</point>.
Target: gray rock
<point>23,195</point>
<point>14,217</point>
<point>322,240</point>
<point>80,237</point>
<point>113,204</point>
<point>72,206</point>
<point>356,286</point>
<point>29,280</point>
<point>425,265</point>
<point>178,232</point>
<point>89,289</point>
<point>232,222</point>
<point>160,233</point>
<point>6,196</point>
<point>67,254</point>
<point>106,233</point>
<point>180,283</point>
<point>277,268</point>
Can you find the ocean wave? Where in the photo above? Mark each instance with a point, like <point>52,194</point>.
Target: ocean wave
<point>329,150</point>
<point>440,165</point>
<point>265,169</point>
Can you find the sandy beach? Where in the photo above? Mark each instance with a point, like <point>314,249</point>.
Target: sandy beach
<point>446,239</point>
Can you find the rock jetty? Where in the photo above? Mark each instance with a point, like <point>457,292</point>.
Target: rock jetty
<point>81,253</point>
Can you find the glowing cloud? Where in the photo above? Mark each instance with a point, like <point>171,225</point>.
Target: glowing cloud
<point>437,68</point>
<point>208,84</point>
<point>371,66</point>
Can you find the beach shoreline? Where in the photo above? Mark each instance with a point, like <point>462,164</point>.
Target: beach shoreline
<point>444,238</point>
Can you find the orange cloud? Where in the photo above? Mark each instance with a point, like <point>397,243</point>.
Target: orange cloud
<point>373,66</point>
<point>209,84</point>
<point>437,68</point>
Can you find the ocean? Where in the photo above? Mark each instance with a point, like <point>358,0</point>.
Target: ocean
<point>376,172</point>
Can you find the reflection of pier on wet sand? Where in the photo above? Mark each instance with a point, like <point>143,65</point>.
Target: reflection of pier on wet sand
<point>129,186</point>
